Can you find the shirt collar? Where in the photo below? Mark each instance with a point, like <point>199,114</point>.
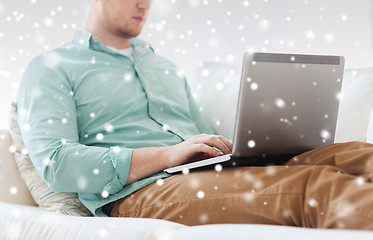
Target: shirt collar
<point>82,38</point>
<point>86,40</point>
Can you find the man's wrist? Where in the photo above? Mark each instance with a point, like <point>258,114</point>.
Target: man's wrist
<point>164,156</point>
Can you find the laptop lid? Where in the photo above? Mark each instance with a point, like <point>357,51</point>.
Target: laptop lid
<point>287,104</point>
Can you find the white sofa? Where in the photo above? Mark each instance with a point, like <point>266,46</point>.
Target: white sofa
<point>20,218</point>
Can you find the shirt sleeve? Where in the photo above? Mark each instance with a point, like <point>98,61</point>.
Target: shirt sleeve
<point>47,118</point>
<point>197,115</point>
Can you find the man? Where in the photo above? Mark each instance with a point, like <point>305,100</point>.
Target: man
<point>104,115</point>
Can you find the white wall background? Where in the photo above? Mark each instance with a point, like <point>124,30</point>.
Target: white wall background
<point>191,31</point>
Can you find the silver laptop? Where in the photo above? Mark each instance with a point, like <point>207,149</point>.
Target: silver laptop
<point>287,104</point>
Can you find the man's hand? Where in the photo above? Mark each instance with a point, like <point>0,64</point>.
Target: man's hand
<point>149,160</point>
<point>197,148</point>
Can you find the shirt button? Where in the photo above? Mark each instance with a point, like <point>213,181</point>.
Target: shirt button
<point>150,93</point>
<point>159,119</point>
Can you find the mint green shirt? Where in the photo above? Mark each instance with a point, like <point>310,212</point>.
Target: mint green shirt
<point>83,108</point>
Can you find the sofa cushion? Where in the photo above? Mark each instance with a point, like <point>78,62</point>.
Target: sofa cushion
<point>66,203</point>
<point>259,232</point>
<point>215,88</point>
<point>26,222</point>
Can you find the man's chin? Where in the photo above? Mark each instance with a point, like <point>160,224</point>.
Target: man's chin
<point>131,34</point>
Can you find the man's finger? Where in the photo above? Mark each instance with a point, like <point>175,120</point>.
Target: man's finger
<point>214,141</point>
<point>201,147</point>
<point>226,142</point>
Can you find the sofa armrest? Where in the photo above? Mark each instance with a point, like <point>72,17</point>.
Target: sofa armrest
<point>12,187</point>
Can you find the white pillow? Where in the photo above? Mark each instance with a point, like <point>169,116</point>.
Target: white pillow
<point>216,86</point>
<point>370,125</point>
<point>355,106</point>
<point>215,89</point>
<point>370,129</point>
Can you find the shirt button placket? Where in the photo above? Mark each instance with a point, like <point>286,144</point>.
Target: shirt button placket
<point>149,93</point>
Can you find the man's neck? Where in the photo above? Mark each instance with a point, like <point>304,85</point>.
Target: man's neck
<point>110,39</point>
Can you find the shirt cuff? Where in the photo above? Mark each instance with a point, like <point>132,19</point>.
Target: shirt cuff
<point>121,160</point>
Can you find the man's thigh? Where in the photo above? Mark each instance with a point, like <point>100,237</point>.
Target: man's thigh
<point>355,158</point>
<point>313,191</point>
<point>267,195</point>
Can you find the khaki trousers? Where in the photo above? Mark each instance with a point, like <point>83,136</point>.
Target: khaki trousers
<point>330,187</point>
